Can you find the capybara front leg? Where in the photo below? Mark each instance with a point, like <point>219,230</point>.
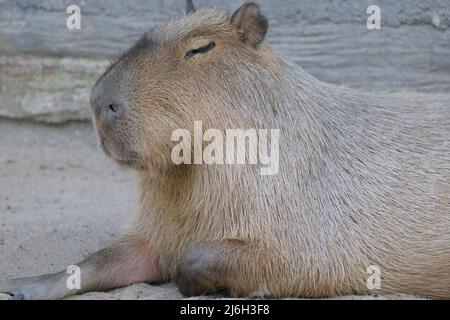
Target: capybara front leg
<point>230,267</point>
<point>125,262</point>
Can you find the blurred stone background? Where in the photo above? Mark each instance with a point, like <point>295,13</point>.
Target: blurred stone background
<point>47,70</point>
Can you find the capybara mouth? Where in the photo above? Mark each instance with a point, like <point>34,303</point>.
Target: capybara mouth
<point>121,155</point>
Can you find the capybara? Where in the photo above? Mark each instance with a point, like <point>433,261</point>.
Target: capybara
<point>363,181</point>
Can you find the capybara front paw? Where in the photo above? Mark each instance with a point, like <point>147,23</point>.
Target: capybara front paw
<point>197,276</point>
<point>17,295</point>
<point>33,288</point>
<point>10,290</point>
<point>191,281</point>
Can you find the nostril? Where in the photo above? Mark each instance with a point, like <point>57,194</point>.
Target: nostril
<point>113,108</point>
<point>108,110</point>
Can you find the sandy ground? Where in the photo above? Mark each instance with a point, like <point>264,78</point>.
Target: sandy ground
<point>62,199</point>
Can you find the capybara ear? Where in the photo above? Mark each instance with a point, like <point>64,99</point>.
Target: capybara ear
<point>189,7</point>
<point>251,24</point>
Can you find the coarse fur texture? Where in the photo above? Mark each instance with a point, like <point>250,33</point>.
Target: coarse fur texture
<point>364,179</point>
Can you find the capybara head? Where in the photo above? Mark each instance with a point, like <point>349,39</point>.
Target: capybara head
<point>175,74</point>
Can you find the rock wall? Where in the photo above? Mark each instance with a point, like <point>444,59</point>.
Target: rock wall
<point>47,70</point>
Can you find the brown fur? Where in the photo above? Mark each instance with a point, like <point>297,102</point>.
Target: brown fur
<point>364,179</point>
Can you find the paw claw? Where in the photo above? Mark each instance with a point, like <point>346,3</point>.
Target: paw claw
<point>17,295</point>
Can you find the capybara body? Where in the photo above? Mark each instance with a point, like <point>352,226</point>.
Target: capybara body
<point>363,179</point>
